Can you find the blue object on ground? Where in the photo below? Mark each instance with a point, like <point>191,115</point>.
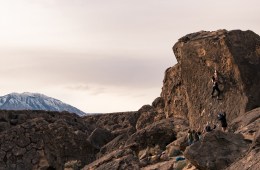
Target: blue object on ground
<point>179,158</point>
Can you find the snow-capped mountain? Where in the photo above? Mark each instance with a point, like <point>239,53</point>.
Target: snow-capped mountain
<point>35,101</point>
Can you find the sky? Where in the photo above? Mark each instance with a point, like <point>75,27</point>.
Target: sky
<point>104,56</point>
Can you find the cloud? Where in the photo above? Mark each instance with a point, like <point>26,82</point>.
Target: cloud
<point>81,87</point>
<point>92,90</point>
<point>84,69</point>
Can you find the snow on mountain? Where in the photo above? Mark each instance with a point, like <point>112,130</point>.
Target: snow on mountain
<point>35,101</point>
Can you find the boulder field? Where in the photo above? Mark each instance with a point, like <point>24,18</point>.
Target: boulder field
<point>155,136</point>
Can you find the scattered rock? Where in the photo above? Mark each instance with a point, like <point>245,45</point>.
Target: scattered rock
<point>159,133</point>
<point>44,141</point>
<point>180,165</point>
<point>114,122</point>
<point>118,159</point>
<point>72,165</point>
<point>180,144</point>
<point>173,151</point>
<point>165,165</point>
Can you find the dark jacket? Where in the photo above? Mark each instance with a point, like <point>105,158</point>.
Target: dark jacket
<point>222,119</point>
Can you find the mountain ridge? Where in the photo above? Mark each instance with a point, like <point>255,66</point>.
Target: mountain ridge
<point>35,101</point>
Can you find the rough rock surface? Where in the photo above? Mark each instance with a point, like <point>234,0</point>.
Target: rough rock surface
<point>147,116</point>
<point>250,161</point>
<point>117,142</point>
<point>45,140</point>
<point>174,93</point>
<point>99,137</point>
<point>187,87</point>
<point>249,126</point>
<point>177,146</point>
<point>250,118</point>
<point>216,150</point>
<point>159,105</point>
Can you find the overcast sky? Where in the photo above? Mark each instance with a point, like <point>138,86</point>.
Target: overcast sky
<point>104,55</point>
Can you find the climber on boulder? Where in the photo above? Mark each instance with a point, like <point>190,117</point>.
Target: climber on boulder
<point>214,80</point>
<point>216,75</point>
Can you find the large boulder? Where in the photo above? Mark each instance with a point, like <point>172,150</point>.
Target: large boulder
<point>216,150</point>
<point>187,87</point>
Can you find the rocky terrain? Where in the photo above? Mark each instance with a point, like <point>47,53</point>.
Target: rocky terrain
<point>155,136</point>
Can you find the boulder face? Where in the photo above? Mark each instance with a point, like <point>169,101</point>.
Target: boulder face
<point>187,86</point>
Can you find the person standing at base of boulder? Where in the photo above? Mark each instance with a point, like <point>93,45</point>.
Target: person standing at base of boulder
<point>223,120</point>
<point>190,137</point>
<point>195,136</point>
<point>199,135</point>
<point>215,87</point>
